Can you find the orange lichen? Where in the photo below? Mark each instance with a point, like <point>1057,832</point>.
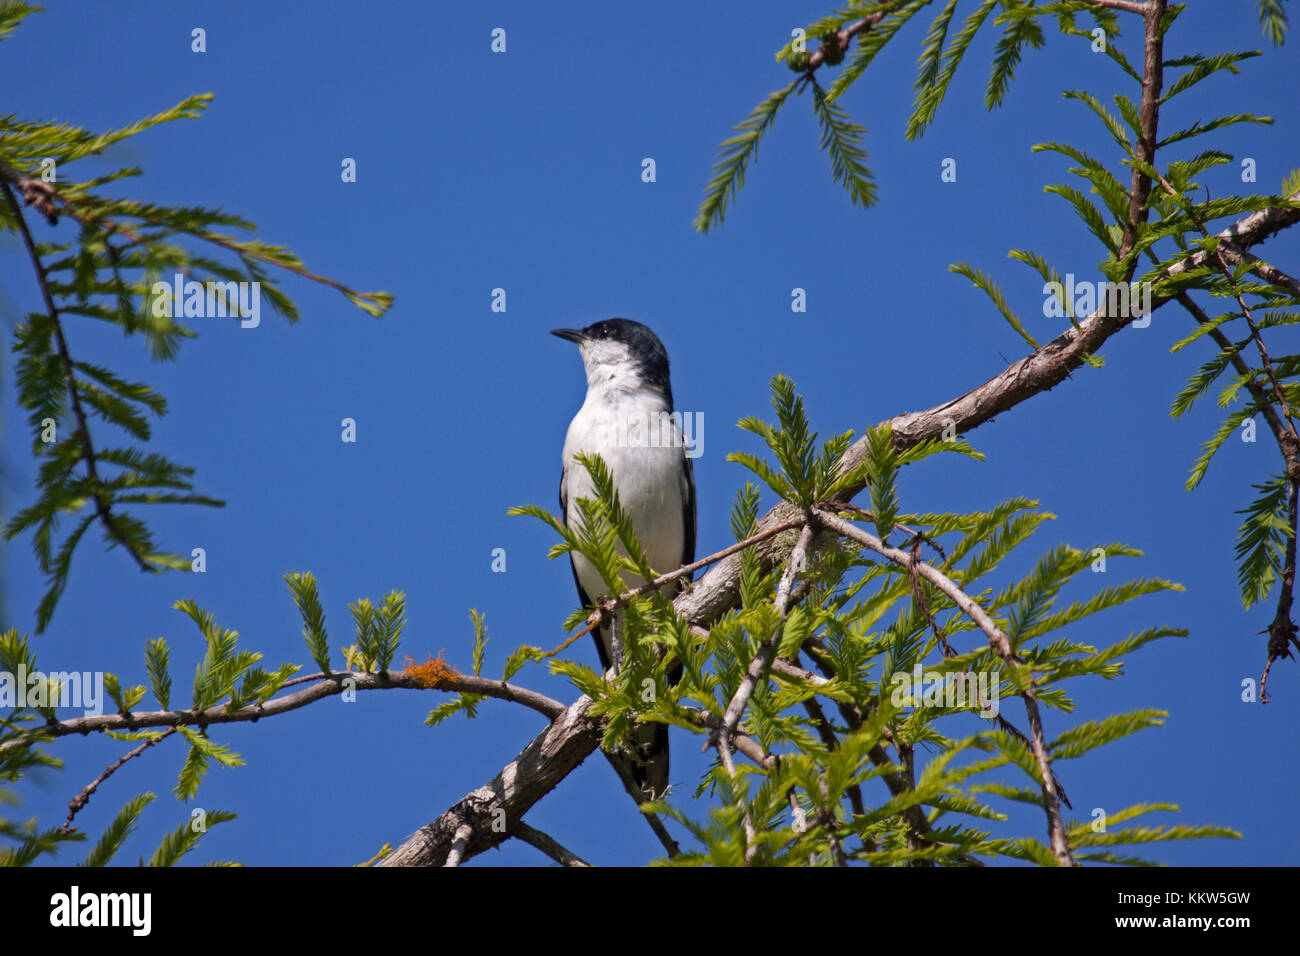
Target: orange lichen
<point>432,672</point>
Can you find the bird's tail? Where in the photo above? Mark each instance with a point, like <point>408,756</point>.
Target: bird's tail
<point>648,762</point>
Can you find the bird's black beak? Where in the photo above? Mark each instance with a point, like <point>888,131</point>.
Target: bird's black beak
<point>573,335</point>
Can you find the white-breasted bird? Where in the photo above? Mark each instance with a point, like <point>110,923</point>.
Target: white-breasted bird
<point>627,420</point>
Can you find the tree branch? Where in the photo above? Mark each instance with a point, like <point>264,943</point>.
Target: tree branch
<point>546,844</point>
<point>1282,630</point>
<point>758,666</point>
<point>81,799</point>
<point>1000,643</point>
<point>65,359</point>
<point>1129,6</point>
<point>487,811</point>
<point>640,799</point>
<point>842,37</point>
<point>330,685</point>
<point>1043,369</point>
<point>718,590</point>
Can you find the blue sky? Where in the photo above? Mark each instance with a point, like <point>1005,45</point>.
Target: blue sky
<point>522,171</point>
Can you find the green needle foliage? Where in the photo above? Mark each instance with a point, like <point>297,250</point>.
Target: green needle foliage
<point>872,768</point>
<point>227,678</point>
<point>1140,236</point>
<point>90,426</point>
<point>881,730</point>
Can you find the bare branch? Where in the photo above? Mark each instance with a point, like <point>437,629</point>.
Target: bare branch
<point>746,744</point>
<point>537,770</point>
<point>1224,268</point>
<point>758,666</point>
<point>1286,442</point>
<point>546,844</point>
<point>1046,367</point>
<point>330,685</point>
<point>998,640</point>
<point>640,797</point>
<point>102,510</point>
<point>81,799</point>
<point>1282,630</point>
<point>458,844</point>
<point>607,607</point>
<point>842,38</point>
<point>1266,271</point>
<point>1129,6</point>
<point>37,193</point>
<point>728,764</point>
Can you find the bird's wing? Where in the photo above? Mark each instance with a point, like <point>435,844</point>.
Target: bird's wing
<point>583,599</point>
<point>688,512</point>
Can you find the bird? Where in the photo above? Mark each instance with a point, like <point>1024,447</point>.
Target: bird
<point>627,419</point>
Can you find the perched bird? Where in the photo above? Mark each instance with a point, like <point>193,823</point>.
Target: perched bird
<point>627,420</point>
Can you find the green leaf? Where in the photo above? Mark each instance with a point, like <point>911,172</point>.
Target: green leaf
<point>201,751</point>
<point>1200,129</point>
<point>123,826</point>
<point>1273,20</point>
<point>1078,740</point>
<point>156,658</point>
<point>927,101</point>
<point>931,53</point>
<point>1262,539</point>
<point>185,837</point>
<point>872,42</point>
<point>1215,442</point>
<point>1007,56</point>
<point>307,598</point>
<point>390,619</point>
<point>1201,381</point>
<point>1202,67</point>
<point>990,288</point>
<point>480,640</point>
<point>842,141</point>
<point>734,158</point>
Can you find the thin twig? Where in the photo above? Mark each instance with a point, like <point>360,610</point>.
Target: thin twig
<point>1282,630</point>
<point>459,844</point>
<point>1286,443</point>
<point>641,798</point>
<point>999,642</point>
<point>842,37</point>
<point>826,731</point>
<point>332,684</point>
<point>50,203</point>
<point>744,743</point>
<point>102,510</point>
<point>547,844</point>
<point>1129,6</point>
<point>80,800</point>
<point>609,606</point>
<point>1265,358</point>
<point>751,833</point>
<point>758,666</point>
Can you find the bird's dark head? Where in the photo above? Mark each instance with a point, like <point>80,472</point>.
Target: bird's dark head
<point>621,353</point>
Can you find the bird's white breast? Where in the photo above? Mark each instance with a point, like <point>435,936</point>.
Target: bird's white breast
<point>644,453</point>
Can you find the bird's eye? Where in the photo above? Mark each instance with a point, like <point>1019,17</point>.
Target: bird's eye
<point>604,331</point>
